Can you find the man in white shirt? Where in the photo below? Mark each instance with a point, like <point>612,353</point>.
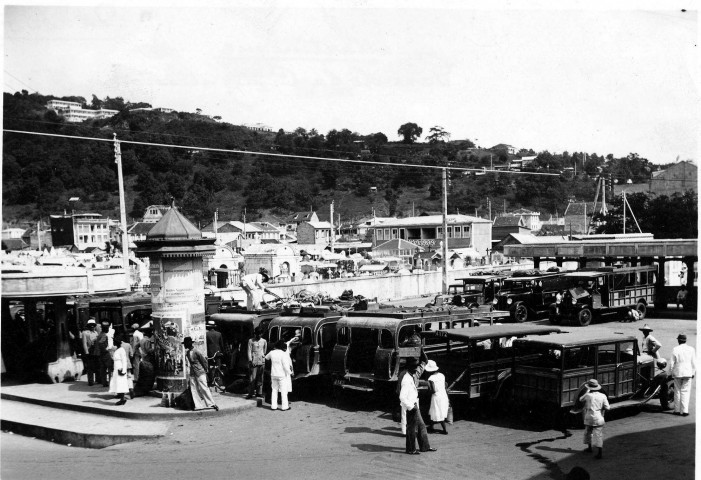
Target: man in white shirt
<point>683,367</point>
<point>409,398</point>
<point>252,284</point>
<point>280,369</point>
<point>135,343</point>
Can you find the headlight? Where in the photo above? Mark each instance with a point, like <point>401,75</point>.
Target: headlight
<point>495,301</point>
<point>509,301</point>
<point>574,301</point>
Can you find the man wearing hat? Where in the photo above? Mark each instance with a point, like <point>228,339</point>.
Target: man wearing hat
<point>253,285</point>
<point>90,352</point>
<point>409,398</point>
<point>683,366</point>
<point>215,342</point>
<point>595,403</point>
<point>135,342</point>
<point>650,343</point>
<point>104,356</point>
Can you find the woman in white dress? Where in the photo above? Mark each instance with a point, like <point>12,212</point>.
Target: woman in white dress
<point>119,382</point>
<point>439,397</point>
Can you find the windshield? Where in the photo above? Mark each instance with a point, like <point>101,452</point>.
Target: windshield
<point>474,287</point>
<point>516,285</point>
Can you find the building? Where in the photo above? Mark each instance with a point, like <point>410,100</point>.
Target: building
<point>9,233</point>
<point>138,231</point>
<point>507,224</point>
<point>678,178</point>
<point>577,217</point>
<point>83,230</point>
<point>531,219</point>
<point>317,233</point>
<point>258,127</point>
<point>397,248</point>
<point>154,213</point>
<point>279,260</point>
<point>296,218</point>
<point>427,231</point>
<point>74,111</point>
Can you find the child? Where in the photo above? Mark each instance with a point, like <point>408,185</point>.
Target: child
<point>439,398</point>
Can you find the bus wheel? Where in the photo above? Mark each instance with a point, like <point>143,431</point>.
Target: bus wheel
<point>642,309</point>
<point>584,317</point>
<point>520,312</point>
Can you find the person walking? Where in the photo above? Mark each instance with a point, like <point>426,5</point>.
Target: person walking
<point>256,363</point>
<point>201,396</point>
<point>439,397</point>
<point>683,367</point>
<point>91,352</point>
<point>119,383</point>
<point>409,396</point>
<point>650,343</point>
<point>595,404</point>
<point>280,370</point>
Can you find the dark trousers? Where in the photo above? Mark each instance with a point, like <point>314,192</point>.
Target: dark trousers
<point>415,422</point>
<point>105,369</point>
<point>92,368</point>
<point>255,386</point>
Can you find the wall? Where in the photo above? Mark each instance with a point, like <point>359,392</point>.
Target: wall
<point>482,237</point>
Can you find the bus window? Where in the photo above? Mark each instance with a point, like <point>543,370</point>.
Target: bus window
<point>328,335</point>
<point>627,352</point>
<point>386,339</point>
<point>343,336</point>
<point>579,357</point>
<point>274,335</point>
<point>606,354</point>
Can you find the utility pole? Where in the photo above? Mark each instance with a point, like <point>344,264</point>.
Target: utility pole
<point>444,252</point>
<point>216,225</point>
<point>122,211</point>
<point>332,227</point>
<point>624,212</point>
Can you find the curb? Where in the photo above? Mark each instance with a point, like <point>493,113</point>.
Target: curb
<point>75,439</point>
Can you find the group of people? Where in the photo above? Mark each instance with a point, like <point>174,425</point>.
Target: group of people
<point>122,362</point>
<point>413,425</point>
<point>682,367</point>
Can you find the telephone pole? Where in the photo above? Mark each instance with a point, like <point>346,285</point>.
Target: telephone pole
<point>122,211</point>
<point>444,251</point>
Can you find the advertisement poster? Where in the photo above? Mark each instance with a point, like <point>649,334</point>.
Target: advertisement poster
<point>170,352</point>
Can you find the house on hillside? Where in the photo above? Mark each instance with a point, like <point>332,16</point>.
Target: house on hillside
<point>81,230</point>
<point>154,213</point>
<point>296,218</point>
<point>397,248</point>
<point>508,148</point>
<point>317,233</point>
<point>577,217</point>
<point>138,231</point>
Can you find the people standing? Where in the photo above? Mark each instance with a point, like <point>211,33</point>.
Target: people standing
<point>104,356</point>
<point>119,383</point>
<point>135,342</point>
<point>147,369</point>
<point>256,363</point>
<point>126,345</point>
<point>595,404</point>
<point>91,352</point>
<point>650,343</point>
<point>280,370</point>
<point>438,413</point>
<point>683,366</point>
<point>681,297</point>
<point>409,396</point>
<point>201,396</point>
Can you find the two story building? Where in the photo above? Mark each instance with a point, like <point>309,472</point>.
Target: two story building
<point>427,231</point>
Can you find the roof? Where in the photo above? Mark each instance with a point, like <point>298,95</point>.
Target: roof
<point>173,226</point>
<point>494,331</point>
<point>527,238</point>
<point>373,268</point>
<point>268,249</point>
<point>320,225</point>
<point>304,321</point>
<point>432,220</point>
<point>13,244</point>
<point>140,228</point>
<point>465,252</point>
<point>265,227</point>
<point>398,244</point>
<point>299,217</point>
<point>579,208</point>
<point>509,221</point>
<point>480,278</point>
<point>581,336</point>
<point>235,318</point>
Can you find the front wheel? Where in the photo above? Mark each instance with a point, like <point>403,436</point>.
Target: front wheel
<point>218,381</point>
<point>584,317</point>
<point>667,395</point>
<point>520,312</point>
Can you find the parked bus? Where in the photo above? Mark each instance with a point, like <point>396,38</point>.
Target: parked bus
<point>528,294</point>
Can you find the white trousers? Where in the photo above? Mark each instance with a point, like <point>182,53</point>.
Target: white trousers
<point>594,436</point>
<point>278,385</point>
<point>403,421</point>
<point>682,394</point>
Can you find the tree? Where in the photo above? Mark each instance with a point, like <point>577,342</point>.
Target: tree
<point>437,134</point>
<point>410,132</point>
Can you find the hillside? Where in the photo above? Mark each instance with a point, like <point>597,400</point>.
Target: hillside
<point>40,173</point>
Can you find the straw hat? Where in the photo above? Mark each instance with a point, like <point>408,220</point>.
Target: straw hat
<point>593,385</point>
<point>431,366</point>
<point>645,327</point>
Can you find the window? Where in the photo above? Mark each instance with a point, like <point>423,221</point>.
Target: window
<point>328,335</point>
<point>386,233</point>
<point>450,232</point>
<point>439,232</point>
<point>343,336</point>
<point>627,352</point>
<point>394,233</point>
<point>606,354</point>
<point>274,335</point>
<point>386,339</point>
<point>378,232</point>
<point>579,357</point>
<point>457,231</point>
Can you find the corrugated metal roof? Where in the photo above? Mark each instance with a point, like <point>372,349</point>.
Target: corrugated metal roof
<point>173,226</point>
<point>432,220</point>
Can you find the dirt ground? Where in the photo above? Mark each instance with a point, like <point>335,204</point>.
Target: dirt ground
<point>356,437</point>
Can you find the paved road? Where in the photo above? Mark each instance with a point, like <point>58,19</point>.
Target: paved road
<point>356,438</point>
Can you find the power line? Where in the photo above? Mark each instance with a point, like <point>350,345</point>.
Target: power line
<point>281,155</point>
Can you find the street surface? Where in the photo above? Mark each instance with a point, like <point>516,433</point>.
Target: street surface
<point>355,437</point>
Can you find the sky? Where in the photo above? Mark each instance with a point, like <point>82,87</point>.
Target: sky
<point>556,76</point>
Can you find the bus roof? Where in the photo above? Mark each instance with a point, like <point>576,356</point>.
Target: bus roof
<point>303,321</point>
<point>494,331</point>
<point>480,278</point>
<point>379,322</point>
<point>577,338</point>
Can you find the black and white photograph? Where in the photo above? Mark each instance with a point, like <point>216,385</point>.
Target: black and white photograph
<point>360,239</point>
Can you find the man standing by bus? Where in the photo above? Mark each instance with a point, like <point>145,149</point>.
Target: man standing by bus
<point>650,343</point>
<point>253,285</point>
<point>683,366</point>
<point>90,352</point>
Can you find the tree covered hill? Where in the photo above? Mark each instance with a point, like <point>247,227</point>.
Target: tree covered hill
<point>40,173</point>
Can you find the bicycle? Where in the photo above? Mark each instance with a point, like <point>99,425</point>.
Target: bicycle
<point>215,375</point>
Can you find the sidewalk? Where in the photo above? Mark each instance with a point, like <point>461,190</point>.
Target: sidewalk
<point>73,412</point>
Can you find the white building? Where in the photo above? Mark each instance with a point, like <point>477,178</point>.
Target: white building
<point>74,111</point>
